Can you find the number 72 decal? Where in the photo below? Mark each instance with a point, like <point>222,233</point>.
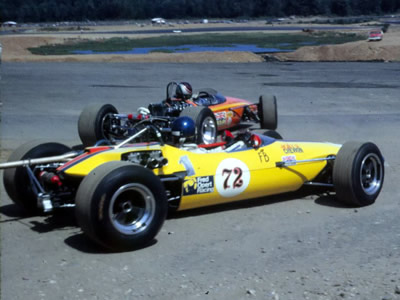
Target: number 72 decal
<point>232,177</point>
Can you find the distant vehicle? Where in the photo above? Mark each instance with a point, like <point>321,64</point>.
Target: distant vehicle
<point>9,24</point>
<point>158,21</point>
<point>212,112</point>
<point>375,35</point>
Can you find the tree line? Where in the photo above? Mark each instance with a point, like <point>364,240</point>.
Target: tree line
<point>82,10</point>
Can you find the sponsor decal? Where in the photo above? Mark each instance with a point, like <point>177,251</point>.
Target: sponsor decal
<point>220,117</point>
<point>263,156</point>
<point>198,185</point>
<point>291,148</point>
<point>229,117</point>
<point>289,158</point>
<point>232,177</point>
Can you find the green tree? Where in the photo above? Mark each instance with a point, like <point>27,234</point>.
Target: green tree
<point>389,6</point>
<point>340,7</point>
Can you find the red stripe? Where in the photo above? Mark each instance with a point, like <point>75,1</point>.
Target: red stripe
<point>85,155</point>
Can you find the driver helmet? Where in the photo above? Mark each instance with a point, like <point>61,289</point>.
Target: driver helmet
<point>183,128</point>
<point>184,91</point>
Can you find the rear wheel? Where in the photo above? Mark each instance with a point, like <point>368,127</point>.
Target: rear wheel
<point>268,112</point>
<point>358,173</point>
<point>121,206</point>
<point>95,122</point>
<point>16,180</point>
<point>206,124</point>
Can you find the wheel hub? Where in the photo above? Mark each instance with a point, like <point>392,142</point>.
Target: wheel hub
<point>371,173</point>
<point>132,208</point>
<point>208,131</point>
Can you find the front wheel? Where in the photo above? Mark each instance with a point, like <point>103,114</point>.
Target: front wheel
<point>121,206</point>
<point>206,124</point>
<point>95,122</point>
<point>268,112</point>
<point>358,173</point>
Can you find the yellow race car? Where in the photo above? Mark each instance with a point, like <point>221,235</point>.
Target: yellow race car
<point>122,193</point>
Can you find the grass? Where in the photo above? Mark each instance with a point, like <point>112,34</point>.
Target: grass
<point>72,28</point>
<point>345,20</point>
<point>263,40</point>
<point>161,50</point>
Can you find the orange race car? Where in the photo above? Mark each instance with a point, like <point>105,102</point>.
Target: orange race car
<point>211,111</point>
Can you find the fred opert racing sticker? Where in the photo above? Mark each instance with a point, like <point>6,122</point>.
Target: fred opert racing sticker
<point>198,185</point>
<point>232,177</point>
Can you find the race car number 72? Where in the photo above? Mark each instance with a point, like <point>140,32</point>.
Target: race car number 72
<point>238,181</point>
<point>232,177</point>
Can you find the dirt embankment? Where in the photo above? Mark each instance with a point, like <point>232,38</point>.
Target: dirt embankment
<point>15,49</point>
<point>386,50</point>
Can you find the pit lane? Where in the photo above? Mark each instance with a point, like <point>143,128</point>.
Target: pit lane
<point>294,246</point>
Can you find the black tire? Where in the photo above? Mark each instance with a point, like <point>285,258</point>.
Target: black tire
<point>206,124</point>
<point>101,193</point>
<point>273,134</point>
<point>358,173</point>
<point>268,112</point>
<point>92,121</point>
<point>16,180</point>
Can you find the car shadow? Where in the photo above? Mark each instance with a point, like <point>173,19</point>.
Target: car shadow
<point>13,212</point>
<point>83,244</point>
<point>61,219</point>
<point>64,219</point>
<point>79,241</point>
<point>323,199</point>
<point>330,201</point>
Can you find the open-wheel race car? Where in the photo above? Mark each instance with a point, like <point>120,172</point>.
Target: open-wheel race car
<point>211,111</point>
<point>122,192</point>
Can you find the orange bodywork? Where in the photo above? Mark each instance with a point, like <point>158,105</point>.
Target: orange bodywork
<point>229,113</point>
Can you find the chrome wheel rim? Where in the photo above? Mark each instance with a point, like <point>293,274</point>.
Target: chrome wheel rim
<point>371,174</point>
<point>132,208</point>
<point>208,130</point>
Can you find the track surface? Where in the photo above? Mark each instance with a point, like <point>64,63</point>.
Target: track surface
<point>285,247</point>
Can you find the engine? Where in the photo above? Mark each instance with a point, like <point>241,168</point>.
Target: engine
<point>148,159</point>
<point>170,108</point>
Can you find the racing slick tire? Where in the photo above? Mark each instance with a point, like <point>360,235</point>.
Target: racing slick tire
<point>92,122</point>
<point>358,173</point>
<point>121,206</point>
<point>268,112</point>
<point>273,134</point>
<point>206,124</point>
<point>16,180</point>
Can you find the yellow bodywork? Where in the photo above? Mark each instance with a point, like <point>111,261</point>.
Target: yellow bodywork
<point>219,177</point>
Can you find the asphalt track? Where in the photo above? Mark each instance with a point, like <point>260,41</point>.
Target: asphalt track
<point>285,247</point>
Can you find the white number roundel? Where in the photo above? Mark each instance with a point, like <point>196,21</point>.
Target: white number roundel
<point>232,177</point>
